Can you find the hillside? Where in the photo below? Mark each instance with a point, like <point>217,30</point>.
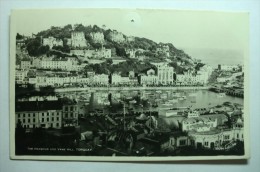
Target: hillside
<point>152,51</point>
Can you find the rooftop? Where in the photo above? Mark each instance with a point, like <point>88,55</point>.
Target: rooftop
<point>38,106</point>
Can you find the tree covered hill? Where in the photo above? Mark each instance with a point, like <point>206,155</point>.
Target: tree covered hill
<point>147,45</point>
<point>142,46</point>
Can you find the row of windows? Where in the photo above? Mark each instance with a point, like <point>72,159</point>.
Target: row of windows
<point>43,120</point>
<point>42,125</point>
<point>68,115</point>
<point>33,114</point>
<point>71,108</point>
<point>47,119</point>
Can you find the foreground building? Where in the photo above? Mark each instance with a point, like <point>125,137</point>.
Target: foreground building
<point>35,114</point>
<point>46,114</point>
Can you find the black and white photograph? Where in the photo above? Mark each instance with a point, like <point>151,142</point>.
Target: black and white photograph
<point>129,84</point>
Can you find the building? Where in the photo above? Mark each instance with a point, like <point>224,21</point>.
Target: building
<point>117,60</point>
<point>223,79</point>
<point>26,64</point>
<point>70,114</point>
<point>117,79</point>
<point>165,74</point>
<point>101,79</point>
<point>228,67</point>
<point>192,78</point>
<point>130,38</point>
<point>148,80</point>
<point>55,80</point>
<point>218,139</point>
<point>51,41</point>
<point>97,37</point>
<point>130,53</point>
<point>54,63</point>
<point>35,114</point>
<point>77,40</point>
<point>195,122</point>
<point>99,53</point>
<point>46,114</point>
<point>163,49</point>
<point>116,36</point>
<point>178,140</point>
<point>20,76</point>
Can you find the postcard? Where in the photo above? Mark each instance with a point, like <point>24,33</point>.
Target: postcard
<point>129,85</point>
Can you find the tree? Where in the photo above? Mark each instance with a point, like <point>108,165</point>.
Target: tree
<point>120,51</point>
<point>18,36</point>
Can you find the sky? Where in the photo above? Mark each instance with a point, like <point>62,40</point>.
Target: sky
<point>211,36</point>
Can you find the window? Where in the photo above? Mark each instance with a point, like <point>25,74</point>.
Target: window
<point>24,115</point>
<point>237,135</point>
<point>47,119</point>
<point>29,120</point>
<point>23,120</point>
<point>71,108</point>
<point>57,124</point>
<point>52,119</point>
<point>58,118</point>
<point>42,114</point>
<point>33,114</point>
<point>182,142</point>
<point>192,142</point>
<point>226,137</point>
<point>18,115</point>
<point>42,119</point>
<point>28,115</point>
<point>206,143</point>
<point>33,119</point>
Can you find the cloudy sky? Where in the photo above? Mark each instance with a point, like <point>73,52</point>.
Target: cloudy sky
<point>211,36</point>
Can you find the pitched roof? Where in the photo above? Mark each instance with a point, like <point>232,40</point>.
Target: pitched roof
<point>38,106</point>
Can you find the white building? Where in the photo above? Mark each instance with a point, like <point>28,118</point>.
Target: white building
<point>117,60</point>
<point>165,74</point>
<point>100,53</point>
<point>150,78</point>
<point>130,53</point>
<point>77,40</point>
<point>116,36</point>
<point>43,80</point>
<point>229,67</point>
<point>20,76</point>
<point>25,64</point>
<point>190,78</point>
<point>51,41</point>
<point>194,122</point>
<point>97,37</point>
<point>164,49</point>
<point>130,38</point>
<point>101,79</point>
<point>118,79</point>
<point>55,63</point>
<point>218,140</point>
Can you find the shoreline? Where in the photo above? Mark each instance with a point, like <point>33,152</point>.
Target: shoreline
<point>58,90</point>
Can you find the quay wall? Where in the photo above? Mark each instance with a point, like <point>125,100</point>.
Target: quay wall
<point>127,88</point>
